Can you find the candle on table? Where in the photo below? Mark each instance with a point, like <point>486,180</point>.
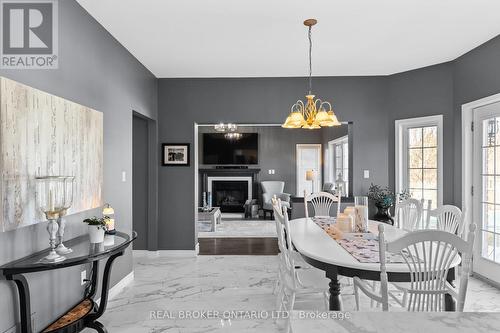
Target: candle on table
<point>345,222</point>
<point>350,210</point>
<point>111,224</point>
<point>51,201</point>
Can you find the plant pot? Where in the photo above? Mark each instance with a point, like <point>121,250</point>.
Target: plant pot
<point>96,234</point>
<point>383,215</point>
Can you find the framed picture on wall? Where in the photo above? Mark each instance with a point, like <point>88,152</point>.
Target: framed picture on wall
<point>175,154</point>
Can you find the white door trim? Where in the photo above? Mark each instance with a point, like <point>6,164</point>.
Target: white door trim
<point>320,165</point>
<point>470,157</point>
<point>467,151</point>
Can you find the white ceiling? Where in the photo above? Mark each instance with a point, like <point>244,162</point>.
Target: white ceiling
<point>266,38</point>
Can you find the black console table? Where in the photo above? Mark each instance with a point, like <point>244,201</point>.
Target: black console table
<point>85,313</point>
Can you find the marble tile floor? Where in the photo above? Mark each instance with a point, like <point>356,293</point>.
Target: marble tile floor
<point>166,285</point>
<point>238,228</point>
<point>409,322</point>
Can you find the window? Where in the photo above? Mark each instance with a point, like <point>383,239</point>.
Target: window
<point>422,163</point>
<point>419,158</point>
<point>339,161</point>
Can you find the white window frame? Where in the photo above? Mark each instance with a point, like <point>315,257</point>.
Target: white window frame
<point>401,151</point>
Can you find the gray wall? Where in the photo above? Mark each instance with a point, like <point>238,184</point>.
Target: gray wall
<point>96,71</point>
<point>442,89</point>
<point>276,151</point>
<point>182,102</point>
<point>424,92</point>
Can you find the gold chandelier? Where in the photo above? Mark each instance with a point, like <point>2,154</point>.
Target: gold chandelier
<point>315,113</point>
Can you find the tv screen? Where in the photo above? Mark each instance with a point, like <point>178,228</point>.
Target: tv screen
<point>218,149</point>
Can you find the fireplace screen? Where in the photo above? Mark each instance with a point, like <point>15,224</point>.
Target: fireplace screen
<point>230,196</point>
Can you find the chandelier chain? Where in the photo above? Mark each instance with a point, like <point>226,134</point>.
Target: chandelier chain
<point>310,60</point>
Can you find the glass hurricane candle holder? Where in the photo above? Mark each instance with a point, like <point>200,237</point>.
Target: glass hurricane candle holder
<point>51,201</point>
<point>361,206</point>
<point>108,212</point>
<point>61,221</point>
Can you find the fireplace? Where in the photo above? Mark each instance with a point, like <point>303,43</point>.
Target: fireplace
<point>230,193</point>
<point>230,196</point>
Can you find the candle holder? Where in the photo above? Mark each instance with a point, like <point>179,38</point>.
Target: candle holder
<point>108,212</point>
<point>61,221</point>
<point>361,206</point>
<point>51,201</point>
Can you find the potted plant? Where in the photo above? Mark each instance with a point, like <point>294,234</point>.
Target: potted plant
<point>97,227</point>
<point>384,198</point>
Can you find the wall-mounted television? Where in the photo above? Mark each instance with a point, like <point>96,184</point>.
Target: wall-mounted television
<point>220,150</point>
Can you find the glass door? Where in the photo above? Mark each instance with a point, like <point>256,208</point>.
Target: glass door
<point>486,191</point>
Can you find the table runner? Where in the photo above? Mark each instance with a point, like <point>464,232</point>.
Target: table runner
<point>363,247</point>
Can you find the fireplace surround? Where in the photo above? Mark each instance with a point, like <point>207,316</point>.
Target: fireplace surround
<point>230,188</point>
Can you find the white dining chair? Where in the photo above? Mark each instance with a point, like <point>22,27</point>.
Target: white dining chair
<point>429,255</point>
<point>276,204</point>
<point>299,262</point>
<point>408,213</point>
<point>321,202</point>
<point>448,218</point>
<point>295,282</point>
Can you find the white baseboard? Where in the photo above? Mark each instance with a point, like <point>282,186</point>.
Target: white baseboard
<point>145,253</point>
<point>166,253</point>
<point>485,279</point>
<point>118,288</point>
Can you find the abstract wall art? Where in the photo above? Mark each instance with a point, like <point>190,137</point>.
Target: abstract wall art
<point>45,135</point>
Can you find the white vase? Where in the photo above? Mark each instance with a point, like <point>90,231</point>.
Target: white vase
<point>96,234</point>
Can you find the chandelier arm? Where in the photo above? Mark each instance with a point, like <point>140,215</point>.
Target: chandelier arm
<point>301,106</point>
<point>316,104</point>
<point>327,103</point>
<point>297,107</point>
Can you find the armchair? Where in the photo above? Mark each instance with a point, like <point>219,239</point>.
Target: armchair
<point>271,189</point>
<point>328,187</point>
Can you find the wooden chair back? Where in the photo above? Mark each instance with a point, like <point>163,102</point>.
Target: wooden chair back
<point>322,203</point>
<point>448,218</point>
<point>408,214</point>
<point>429,255</point>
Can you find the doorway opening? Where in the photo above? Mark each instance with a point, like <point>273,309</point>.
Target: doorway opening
<point>238,171</point>
<point>144,182</point>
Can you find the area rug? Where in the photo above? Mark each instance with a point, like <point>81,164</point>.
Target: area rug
<point>238,228</point>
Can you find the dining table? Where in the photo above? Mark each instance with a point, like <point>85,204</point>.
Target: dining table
<point>323,252</point>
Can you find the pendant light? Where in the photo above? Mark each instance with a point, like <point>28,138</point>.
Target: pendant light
<point>315,113</point>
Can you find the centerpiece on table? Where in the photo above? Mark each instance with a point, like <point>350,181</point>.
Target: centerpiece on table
<point>384,198</point>
<point>97,227</point>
